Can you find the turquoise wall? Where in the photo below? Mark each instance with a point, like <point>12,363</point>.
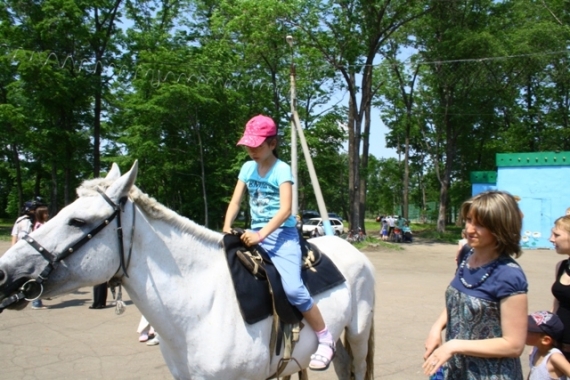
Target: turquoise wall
<point>477,188</point>
<point>545,195</point>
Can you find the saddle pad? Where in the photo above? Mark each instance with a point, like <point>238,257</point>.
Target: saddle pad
<point>253,294</point>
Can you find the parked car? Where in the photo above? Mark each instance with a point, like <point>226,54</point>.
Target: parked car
<point>335,215</point>
<point>306,215</point>
<point>317,223</point>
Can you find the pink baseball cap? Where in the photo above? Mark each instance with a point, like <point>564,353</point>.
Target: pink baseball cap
<point>257,129</point>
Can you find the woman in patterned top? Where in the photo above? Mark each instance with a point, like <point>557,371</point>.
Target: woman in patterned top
<point>486,303</point>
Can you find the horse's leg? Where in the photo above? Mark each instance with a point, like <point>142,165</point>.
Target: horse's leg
<point>360,339</point>
<point>341,361</point>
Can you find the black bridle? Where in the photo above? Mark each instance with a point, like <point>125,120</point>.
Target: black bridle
<point>33,289</point>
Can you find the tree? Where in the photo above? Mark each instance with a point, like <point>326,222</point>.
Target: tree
<point>350,35</point>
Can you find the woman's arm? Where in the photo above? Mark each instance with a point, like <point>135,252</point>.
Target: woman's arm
<point>433,340</point>
<point>233,207</point>
<point>514,319</point>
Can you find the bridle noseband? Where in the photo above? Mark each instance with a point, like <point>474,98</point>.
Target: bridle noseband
<point>33,289</point>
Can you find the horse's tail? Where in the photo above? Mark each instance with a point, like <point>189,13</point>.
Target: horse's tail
<point>370,354</point>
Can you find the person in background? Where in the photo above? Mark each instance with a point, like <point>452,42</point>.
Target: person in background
<point>546,361</point>
<point>407,231</point>
<point>315,233</point>
<point>42,216</point>
<point>23,226</point>
<point>384,230</point>
<point>99,296</point>
<point>401,222</point>
<point>147,333</point>
<point>485,317</point>
<point>560,237</point>
<point>391,224</point>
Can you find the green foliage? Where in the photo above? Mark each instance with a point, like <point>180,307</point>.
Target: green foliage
<point>429,232</point>
<point>173,84</point>
<point>5,230</point>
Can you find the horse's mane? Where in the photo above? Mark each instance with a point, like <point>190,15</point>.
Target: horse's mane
<point>152,208</point>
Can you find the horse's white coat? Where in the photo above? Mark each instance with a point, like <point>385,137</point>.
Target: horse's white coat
<point>178,278</point>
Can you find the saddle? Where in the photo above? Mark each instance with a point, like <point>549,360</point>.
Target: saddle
<point>260,293</point>
<point>258,284</point>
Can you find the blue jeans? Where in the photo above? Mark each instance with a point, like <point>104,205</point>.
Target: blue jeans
<point>284,249</point>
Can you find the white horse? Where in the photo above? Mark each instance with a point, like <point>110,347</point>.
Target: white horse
<point>178,278</point>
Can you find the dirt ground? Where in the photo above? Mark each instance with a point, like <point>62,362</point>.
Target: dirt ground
<point>71,341</point>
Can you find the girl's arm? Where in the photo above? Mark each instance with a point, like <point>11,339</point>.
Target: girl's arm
<point>433,340</point>
<point>14,239</point>
<point>560,364</point>
<point>285,201</point>
<point>233,207</point>
<point>514,319</point>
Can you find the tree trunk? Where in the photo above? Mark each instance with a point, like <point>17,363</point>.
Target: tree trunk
<point>353,163</point>
<point>406,179</point>
<point>203,175</point>
<point>19,189</point>
<point>364,166</point>
<point>53,209</point>
<point>104,30</point>
<point>443,194</point>
<point>97,126</point>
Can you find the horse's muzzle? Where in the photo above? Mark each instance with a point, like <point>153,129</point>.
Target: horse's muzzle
<point>15,293</point>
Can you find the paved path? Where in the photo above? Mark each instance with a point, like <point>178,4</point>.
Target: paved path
<point>70,341</point>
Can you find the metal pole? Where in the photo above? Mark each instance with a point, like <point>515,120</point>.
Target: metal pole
<point>314,180</point>
<point>294,166</point>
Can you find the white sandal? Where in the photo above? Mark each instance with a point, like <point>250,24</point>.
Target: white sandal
<point>321,360</point>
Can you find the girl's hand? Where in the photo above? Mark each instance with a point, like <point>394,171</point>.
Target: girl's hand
<point>251,238</point>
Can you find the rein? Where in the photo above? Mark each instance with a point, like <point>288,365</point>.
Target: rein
<point>33,289</point>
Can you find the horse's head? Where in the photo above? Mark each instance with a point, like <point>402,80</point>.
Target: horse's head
<point>78,247</point>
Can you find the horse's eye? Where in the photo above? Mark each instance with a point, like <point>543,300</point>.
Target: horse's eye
<point>76,222</point>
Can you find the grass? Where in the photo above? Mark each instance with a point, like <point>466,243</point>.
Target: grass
<point>423,231</point>
<point>6,229</point>
<point>375,241</point>
<point>452,234</point>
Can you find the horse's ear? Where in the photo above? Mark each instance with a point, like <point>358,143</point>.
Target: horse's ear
<point>121,187</point>
<point>114,173</point>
